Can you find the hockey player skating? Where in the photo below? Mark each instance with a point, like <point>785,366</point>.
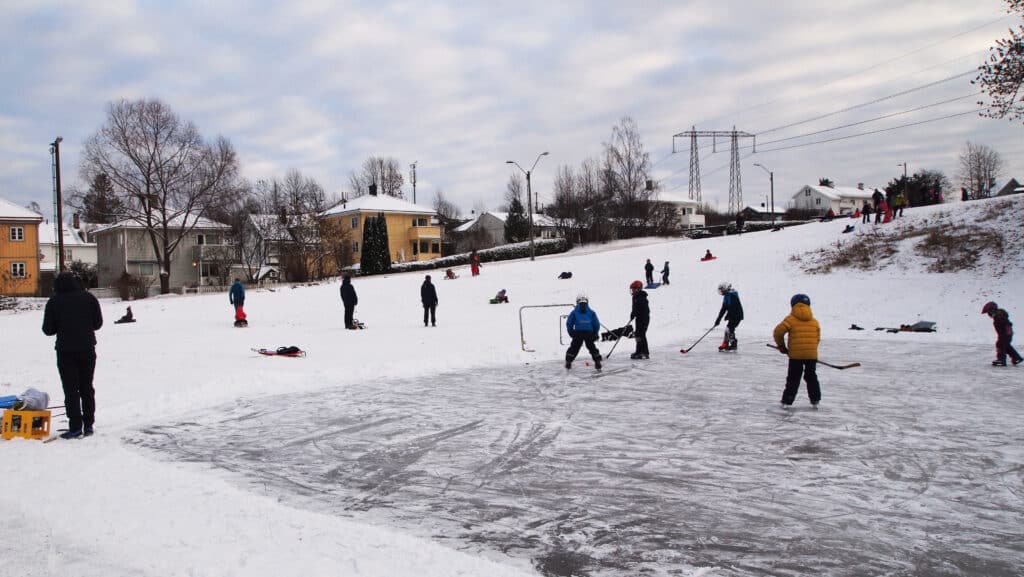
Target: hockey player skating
<point>584,328</point>
<point>804,336</point>
<point>1004,334</point>
<point>732,310</point>
<point>642,313</point>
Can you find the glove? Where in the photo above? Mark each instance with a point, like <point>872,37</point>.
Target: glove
<point>784,350</point>
<point>717,322</point>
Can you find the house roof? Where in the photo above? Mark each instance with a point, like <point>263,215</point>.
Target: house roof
<point>11,211</point>
<point>377,203</point>
<point>72,236</point>
<point>270,227</point>
<point>199,222</point>
<point>676,199</point>
<point>538,220</point>
<point>764,209</point>
<point>839,192</point>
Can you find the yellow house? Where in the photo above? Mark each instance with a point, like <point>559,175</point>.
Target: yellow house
<point>19,250</point>
<point>412,232</point>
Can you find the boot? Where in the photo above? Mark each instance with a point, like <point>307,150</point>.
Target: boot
<point>568,364</point>
<point>597,363</point>
<point>999,363</point>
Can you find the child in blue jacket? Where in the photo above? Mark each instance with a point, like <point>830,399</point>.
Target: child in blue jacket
<point>584,328</point>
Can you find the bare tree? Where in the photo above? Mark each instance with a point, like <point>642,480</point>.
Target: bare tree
<point>980,166</point>
<point>445,208</point>
<point>386,173</point>
<point>627,168</point>
<point>1003,76</point>
<point>162,170</point>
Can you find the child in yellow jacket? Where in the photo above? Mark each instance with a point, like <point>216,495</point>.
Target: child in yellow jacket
<point>804,336</point>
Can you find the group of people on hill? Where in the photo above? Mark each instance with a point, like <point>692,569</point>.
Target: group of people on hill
<point>884,209</point>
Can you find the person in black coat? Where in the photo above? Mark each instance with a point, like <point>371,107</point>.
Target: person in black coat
<point>664,274</point>
<point>649,270</point>
<point>74,315</point>
<point>732,310</point>
<point>349,299</point>
<point>428,296</point>
<point>642,313</point>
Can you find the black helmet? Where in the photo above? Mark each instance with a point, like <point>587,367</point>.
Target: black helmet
<point>800,298</point>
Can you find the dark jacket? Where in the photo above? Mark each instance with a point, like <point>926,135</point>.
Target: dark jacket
<point>1001,322</point>
<point>72,314</point>
<point>236,295</point>
<point>649,268</point>
<point>731,308</point>
<point>348,293</point>
<point>428,294</point>
<point>641,308</point>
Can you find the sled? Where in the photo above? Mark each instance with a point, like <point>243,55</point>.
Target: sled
<point>702,259</point>
<point>291,351</point>
<point>652,285</point>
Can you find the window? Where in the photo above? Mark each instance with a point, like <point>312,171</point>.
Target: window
<point>208,239</point>
<point>424,246</point>
<point>417,221</point>
<point>210,270</point>
<point>18,270</point>
<point>807,193</point>
<point>435,247</point>
<point>355,222</point>
<point>146,269</point>
<point>67,255</point>
<point>18,233</point>
<point>355,247</point>
<point>817,201</point>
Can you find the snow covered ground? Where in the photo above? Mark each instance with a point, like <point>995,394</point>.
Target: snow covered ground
<point>405,450</point>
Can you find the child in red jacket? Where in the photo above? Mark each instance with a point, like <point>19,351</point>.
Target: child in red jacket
<point>1004,334</point>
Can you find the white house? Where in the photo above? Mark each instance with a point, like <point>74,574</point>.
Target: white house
<point>688,209</point>
<point>841,199</point>
<point>76,246</point>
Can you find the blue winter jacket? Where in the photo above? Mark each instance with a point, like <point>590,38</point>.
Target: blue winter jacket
<point>583,320</point>
<point>731,308</point>
<point>236,295</point>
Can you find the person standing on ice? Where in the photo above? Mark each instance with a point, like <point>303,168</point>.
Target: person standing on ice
<point>732,310</point>
<point>804,336</point>
<point>74,315</point>
<point>664,274</point>
<point>584,328</point>
<point>428,296</point>
<point>649,271</point>
<point>349,300</point>
<point>642,313</point>
<point>236,296</point>
<point>1004,334</point>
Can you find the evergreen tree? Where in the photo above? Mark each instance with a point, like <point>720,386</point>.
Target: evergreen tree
<point>376,257</point>
<point>517,225</point>
<point>101,205</point>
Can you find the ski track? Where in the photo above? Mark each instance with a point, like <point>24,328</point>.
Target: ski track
<point>641,469</point>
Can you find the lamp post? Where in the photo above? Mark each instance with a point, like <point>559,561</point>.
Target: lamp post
<point>905,183</point>
<point>55,151</point>
<point>413,167</point>
<point>529,195</point>
<point>771,185</point>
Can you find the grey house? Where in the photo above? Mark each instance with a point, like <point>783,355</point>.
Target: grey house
<point>203,256</point>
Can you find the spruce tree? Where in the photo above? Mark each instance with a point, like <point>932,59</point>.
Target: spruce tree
<point>376,256</point>
<point>517,227</point>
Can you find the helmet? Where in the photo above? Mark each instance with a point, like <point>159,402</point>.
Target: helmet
<point>724,288</point>
<point>582,298</point>
<point>989,307</point>
<point>800,298</point>
<point>636,285</point>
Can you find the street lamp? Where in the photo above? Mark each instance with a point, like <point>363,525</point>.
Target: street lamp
<point>771,184</point>
<point>55,151</point>
<point>529,194</point>
<point>905,183</point>
<point>413,167</point>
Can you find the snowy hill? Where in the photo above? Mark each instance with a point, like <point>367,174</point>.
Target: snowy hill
<point>212,460</point>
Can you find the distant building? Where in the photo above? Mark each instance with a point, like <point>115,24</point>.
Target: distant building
<point>76,245</point>
<point>203,256</point>
<point>1007,188</point>
<point>762,213</point>
<point>488,230</point>
<point>413,231</point>
<point>841,199</point>
<point>19,250</point>
<point>688,210</point>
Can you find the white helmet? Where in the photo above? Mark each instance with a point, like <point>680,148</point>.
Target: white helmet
<point>724,288</point>
<point>582,298</point>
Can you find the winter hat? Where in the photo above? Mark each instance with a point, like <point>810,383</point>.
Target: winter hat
<point>989,307</point>
<point>581,299</point>
<point>724,288</point>
<point>636,285</point>
<point>800,298</point>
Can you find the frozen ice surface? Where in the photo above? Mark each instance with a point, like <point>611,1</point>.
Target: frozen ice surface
<point>913,465</point>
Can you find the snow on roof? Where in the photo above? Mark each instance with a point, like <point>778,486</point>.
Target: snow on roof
<point>674,198</point>
<point>377,203</point>
<point>72,236</point>
<point>195,221</point>
<point>9,210</point>
<point>464,227</point>
<point>839,192</point>
<point>538,220</point>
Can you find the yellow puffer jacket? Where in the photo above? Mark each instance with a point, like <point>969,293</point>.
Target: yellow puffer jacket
<point>804,333</point>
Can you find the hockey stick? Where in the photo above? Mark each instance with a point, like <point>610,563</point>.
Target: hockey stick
<point>840,367</point>
<point>698,340</point>
<point>621,337</point>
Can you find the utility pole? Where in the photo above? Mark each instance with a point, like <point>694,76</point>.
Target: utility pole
<point>413,167</point>
<point>735,182</point>
<point>529,194</point>
<point>58,202</point>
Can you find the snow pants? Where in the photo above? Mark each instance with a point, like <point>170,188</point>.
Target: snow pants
<point>428,310</point>
<point>1004,346</point>
<point>640,334</point>
<point>578,341</point>
<point>808,369</point>
<point>349,312</point>
<point>76,370</point>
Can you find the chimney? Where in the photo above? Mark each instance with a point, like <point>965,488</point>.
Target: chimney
<point>75,222</point>
<point>860,186</point>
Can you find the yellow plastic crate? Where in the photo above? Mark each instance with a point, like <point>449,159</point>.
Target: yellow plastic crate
<point>27,424</point>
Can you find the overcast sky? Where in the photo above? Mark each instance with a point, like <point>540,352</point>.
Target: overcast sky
<point>460,88</point>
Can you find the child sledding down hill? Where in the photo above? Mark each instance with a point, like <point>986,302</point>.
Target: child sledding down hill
<point>501,297</point>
